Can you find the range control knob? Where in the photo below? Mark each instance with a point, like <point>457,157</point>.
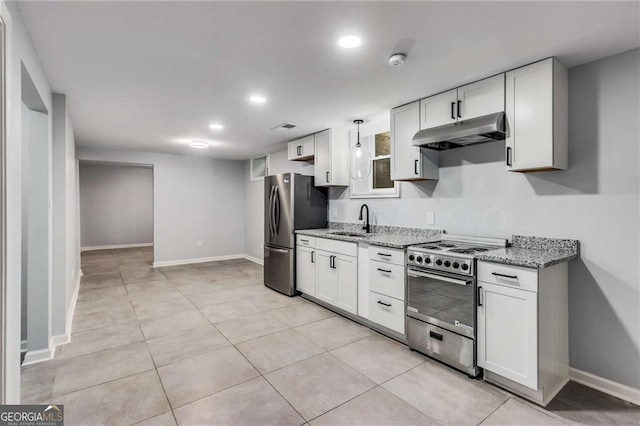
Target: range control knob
<point>411,257</point>
<point>456,265</point>
<point>419,259</point>
<point>427,260</point>
<point>438,262</point>
<point>465,266</point>
<point>447,263</point>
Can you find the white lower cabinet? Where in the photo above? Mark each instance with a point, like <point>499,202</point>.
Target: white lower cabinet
<point>523,328</point>
<point>508,333</point>
<point>306,270</point>
<point>337,280</point>
<point>386,311</point>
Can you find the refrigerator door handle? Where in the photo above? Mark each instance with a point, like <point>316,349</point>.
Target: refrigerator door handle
<point>277,250</point>
<point>271,230</point>
<point>276,208</point>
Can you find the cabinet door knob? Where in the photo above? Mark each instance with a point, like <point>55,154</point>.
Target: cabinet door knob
<point>327,177</point>
<point>479,296</point>
<point>313,257</point>
<point>459,105</point>
<point>509,156</point>
<point>415,166</point>
<point>453,114</point>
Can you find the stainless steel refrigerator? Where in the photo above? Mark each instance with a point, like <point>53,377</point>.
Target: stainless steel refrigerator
<point>291,201</point>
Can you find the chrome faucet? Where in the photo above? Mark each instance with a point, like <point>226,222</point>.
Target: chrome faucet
<point>366,226</point>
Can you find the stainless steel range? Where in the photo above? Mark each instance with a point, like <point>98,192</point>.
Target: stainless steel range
<point>442,298</point>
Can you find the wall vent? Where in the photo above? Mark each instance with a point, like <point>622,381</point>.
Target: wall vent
<point>284,126</point>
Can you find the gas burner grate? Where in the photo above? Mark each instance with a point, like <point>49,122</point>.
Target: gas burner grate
<point>446,245</point>
<point>432,248</point>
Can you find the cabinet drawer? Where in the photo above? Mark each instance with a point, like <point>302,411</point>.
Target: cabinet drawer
<point>385,254</point>
<point>335,246</point>
<point>511,276</point>
<point>305,241</point>
<point>387,279</point>
<point>386,311</point>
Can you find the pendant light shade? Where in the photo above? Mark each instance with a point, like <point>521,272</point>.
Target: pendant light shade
<point>359,158</point>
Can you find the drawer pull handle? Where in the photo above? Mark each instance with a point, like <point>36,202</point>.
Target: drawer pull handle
<point>386,271</point>
<point>388,305</point>
<point>384,254</point>
<point>304,241</point>
<point>435,335</point>
<point>513,277</point>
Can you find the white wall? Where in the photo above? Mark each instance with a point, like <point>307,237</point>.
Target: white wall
<point>254,199</point>
<point>595,201</point>
<point>116,204</point>
<point>195,199</point>
<point>65,248</point>
<point>20,51</point>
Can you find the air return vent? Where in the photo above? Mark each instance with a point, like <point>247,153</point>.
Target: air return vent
<point>284,126</point>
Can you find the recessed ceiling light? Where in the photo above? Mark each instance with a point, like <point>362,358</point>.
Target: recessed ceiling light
<point>216,126</point>
<point>199,144</point>
<point>257,99</point>
<point>349,42</point>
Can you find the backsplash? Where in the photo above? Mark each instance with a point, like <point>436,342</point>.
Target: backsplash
<point>545,244</point>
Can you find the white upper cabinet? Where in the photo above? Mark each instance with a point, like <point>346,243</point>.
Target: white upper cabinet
<point>481,98</point>
<point>537,115</point>
<point>331,159</point>
<point>438,110</point>
<point>302,149</point>
<point>463,103</point>
<point>409,162</point>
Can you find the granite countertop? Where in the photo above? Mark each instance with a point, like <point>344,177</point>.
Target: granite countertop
<point>534,252</point>
<point>397,240</point>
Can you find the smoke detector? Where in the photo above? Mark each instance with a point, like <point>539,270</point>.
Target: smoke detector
<point>397,59</point>
<point>284,126</point>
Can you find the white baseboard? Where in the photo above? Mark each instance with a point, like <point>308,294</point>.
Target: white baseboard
<point>206,259</point>
<point>605,385</point>
<point>34,357</point>
<point>117,246</point>
<point>60,339</point>
<point>196,260</point>
<point>253,259</point>
<point>63,339</point>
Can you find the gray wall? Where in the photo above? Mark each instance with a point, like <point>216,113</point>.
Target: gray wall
<point>20,52</point>
<point>195,199</point>
<point>116,204</point>
<point>66,265</point>
<point>595,201</point>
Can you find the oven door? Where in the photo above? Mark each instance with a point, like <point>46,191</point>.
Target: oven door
<point>442,299</point>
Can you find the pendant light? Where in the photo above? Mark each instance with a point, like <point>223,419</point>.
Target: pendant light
<point>359,158</point>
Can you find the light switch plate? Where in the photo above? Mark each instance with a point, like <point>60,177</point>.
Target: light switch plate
<point>198,244</point>
<point>431,218</point>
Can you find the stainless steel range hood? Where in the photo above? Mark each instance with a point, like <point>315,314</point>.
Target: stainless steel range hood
<point>487,128</point>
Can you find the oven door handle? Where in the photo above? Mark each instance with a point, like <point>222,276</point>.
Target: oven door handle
<point>414,274</point>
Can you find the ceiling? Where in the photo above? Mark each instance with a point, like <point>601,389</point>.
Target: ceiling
<point>153,75</point>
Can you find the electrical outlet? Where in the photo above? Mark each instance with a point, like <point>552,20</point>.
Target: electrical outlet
<point>431,218</point>
<point>198,244</point>
<point>334,213</point>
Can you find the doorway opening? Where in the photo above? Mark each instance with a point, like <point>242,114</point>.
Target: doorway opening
<point>116,217</point>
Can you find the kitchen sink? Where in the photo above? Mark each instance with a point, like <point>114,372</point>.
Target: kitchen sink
<point>349,234</point>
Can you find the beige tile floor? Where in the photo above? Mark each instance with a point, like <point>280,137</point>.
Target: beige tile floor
<point>210,344</point>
